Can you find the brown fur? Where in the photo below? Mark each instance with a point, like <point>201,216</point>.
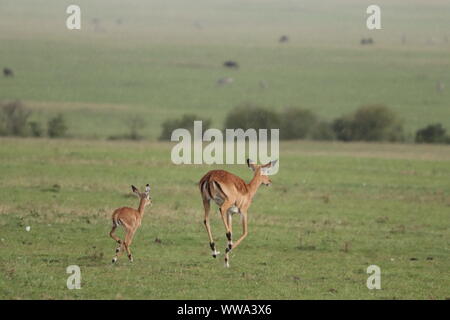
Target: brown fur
<point>131,220</point>
<point>229,191</point>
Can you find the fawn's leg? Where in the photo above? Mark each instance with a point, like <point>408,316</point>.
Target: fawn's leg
<point>116,238</point>
<point>121,247</point>
<point>207,207</point>
<point>127,243</point>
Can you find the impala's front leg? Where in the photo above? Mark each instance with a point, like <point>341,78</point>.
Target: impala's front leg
<point>244,229</point>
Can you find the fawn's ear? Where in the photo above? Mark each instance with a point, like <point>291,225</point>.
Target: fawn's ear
<point>251,164</point>
<point>135,190</point>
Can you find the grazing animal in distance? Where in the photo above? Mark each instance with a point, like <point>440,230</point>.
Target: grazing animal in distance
<point>231,64</point>
<point>131,220</point>
<point>365,41</point>
<point>224,81</point>
<point>232,195</point>
<point>7,72</point>
<point>283,39</point>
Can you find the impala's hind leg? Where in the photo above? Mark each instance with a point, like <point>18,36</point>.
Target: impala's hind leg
<point>207,207</point>
<point>121,243</point>
<point>116,238</point>
<point>119,251</point>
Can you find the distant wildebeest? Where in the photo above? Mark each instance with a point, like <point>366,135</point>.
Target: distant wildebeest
<point>231,64</point>
<point>366,41</point>
<point>224,81</point>
<point>7,72</point>
<point>283,39</point>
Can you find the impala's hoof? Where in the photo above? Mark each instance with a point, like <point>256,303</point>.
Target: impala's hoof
<point>215,254</point>
<point>117,249</point>
<point>130,257</point>
<point>114,260</point>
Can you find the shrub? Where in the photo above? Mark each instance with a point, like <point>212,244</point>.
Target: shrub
<point>14,119</point>
<point>57,127</point>
<point>433,133</point>
<point>297,124</point>
<point>135,124</point>
<point>252,117</point>
<point>36,129</point>
<point>322,131</point>
<point>343,128</point>
<point>186,122</point>
<point>369,123</point>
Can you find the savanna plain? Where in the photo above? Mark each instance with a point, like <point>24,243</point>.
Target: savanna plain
<point>333,209</point>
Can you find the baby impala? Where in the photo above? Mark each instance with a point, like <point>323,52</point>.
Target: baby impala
<point>130,219</point>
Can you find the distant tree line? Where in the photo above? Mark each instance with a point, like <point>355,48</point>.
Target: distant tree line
<point>15,121</point>
<point>367,123</point>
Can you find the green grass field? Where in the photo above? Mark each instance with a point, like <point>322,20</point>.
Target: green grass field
<point>333,209</point>
<point>164,59</point>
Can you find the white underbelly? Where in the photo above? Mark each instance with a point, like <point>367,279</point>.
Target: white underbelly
<point>234,209</point>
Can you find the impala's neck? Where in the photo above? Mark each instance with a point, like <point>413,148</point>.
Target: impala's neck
<point>254,183</point>
<point>141,208</point>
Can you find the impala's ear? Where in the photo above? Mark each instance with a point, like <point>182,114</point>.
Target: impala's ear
<point>135,190</point>
<point>251,164</point>
<point>271,164</point>
<point>147,189</point>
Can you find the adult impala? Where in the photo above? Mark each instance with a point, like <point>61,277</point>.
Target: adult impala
<point>130,219</point>
<point>232,195</point>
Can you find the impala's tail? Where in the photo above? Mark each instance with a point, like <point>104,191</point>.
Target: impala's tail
<point>210,189</point>
<point>115,219</point>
